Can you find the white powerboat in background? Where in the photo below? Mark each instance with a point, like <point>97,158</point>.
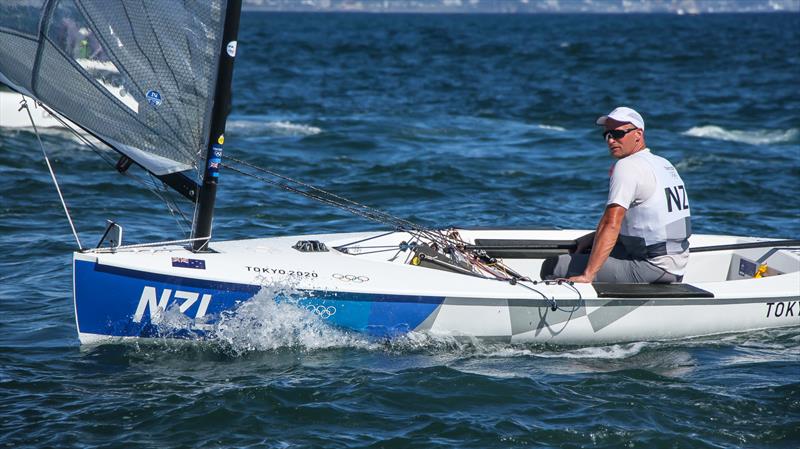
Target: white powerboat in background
<point>13,116</point>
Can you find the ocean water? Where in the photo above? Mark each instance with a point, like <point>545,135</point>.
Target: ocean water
<point>466,120</point>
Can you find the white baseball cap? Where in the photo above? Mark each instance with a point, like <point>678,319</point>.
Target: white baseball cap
<point>624,115</point>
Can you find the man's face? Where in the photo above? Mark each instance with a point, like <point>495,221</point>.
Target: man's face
<point>623,145</point>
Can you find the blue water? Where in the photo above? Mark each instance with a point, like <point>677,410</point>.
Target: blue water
<point>471,120</point>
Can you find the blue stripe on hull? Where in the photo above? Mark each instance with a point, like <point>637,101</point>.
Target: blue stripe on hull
<point>107,300</point>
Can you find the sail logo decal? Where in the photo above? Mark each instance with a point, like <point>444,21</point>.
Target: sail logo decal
<point>154,98</point>
<point>231,49</point>
<point>155,305</point>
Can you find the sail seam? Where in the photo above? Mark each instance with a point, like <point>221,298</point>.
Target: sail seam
<point>19,34</point>
<point>180,116</point>
<point>46,17</point>
<point>152,66</point>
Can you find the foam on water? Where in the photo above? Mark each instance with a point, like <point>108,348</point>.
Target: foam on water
<point>551,127</point>
<point>262,324</point>
<point>260,125</point>
<point>616,351</point>
<point>266,324</point>
<point>752,137</point>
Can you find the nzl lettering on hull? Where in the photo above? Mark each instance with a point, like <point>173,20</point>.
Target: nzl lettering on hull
<point>122,302</point>
<point>150,302</point>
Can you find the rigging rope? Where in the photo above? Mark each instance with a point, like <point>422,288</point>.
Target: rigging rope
<point>448,241</point>
<point>24,105</point>
<point>329,197</point>
<point>143,245</point>
<point>332,199</point>
<point>154,186</point>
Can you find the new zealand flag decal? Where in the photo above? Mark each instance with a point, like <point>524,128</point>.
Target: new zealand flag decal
<point>184,262</point>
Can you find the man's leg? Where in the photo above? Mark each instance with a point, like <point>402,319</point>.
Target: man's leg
<point>614,270</point>
<point>573,264</point>
<point>633,271</point>
<point>564,266</point>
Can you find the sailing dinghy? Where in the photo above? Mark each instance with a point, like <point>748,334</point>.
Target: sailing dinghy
<point>162,105</point>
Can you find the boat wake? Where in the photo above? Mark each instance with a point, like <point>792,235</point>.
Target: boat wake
<point>610,352</point>
<point>264,324</point>
<point>751,137</point>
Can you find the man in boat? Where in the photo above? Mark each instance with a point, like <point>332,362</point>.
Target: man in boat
<point>643,234</point>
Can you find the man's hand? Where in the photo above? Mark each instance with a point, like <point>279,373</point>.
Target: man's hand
<point>584,279</point>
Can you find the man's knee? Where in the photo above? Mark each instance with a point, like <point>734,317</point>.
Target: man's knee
<point>548,267</point>
<point>565,265</point>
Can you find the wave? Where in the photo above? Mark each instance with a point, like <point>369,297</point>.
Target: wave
<point>551,127</point>
<point>609,352</point>
<point>255,126</point>
<point>752,137</point>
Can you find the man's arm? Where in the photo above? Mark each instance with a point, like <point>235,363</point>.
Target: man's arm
<point>604,241</point>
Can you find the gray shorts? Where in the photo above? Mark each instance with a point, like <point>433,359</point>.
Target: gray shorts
<point>617,270</point>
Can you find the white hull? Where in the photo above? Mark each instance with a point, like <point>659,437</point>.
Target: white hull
<point>124,294</point>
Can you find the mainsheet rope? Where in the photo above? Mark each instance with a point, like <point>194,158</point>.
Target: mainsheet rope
<point>328,197</point>
<point>332,199</point>
<point>446,241</point>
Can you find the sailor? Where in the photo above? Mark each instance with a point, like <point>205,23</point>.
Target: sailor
<point>643,234</point>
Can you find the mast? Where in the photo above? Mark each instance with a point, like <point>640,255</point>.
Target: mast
<point>219,115</point>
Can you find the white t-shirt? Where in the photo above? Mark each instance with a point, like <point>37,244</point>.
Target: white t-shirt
<point>632,183</point>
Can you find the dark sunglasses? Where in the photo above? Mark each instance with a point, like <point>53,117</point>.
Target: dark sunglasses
<point>617,133</point>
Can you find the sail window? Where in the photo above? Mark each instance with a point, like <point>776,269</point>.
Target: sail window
<point>72,33</point>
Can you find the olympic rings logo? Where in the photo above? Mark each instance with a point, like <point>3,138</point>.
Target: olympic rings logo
<point>322,311</point>
<point>350,278</point>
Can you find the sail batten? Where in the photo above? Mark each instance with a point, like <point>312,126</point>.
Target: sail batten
<point>139,74</point>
